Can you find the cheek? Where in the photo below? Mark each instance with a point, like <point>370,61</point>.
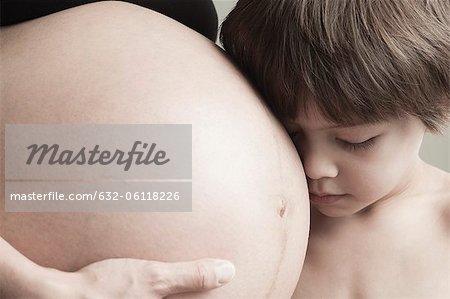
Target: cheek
<point>370,177</point>
<point>365,180</point>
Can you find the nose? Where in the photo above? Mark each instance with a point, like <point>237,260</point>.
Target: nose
<point>318,164</point>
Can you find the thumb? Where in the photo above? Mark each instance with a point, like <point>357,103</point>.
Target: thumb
<point>199,275</point>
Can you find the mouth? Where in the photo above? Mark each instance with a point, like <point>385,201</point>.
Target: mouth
<point>325,199</point>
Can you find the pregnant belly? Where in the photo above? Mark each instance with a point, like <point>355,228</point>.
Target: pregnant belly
<point>249,196</point>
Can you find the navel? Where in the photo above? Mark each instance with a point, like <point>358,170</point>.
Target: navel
<point>282,208</point>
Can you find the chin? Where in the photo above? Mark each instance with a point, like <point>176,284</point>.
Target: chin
<point>339,211</point>
<point>334,212</point>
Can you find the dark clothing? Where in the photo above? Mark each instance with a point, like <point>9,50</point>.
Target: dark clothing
<point>200,15</point>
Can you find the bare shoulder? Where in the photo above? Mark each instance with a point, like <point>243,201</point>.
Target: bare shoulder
<point>442,197</point>
<point>446,205</point>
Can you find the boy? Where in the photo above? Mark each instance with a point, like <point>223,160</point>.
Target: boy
<point>358,83</point>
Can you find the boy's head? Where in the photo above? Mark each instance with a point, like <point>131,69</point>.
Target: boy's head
<point>379,69</point>
<point>359,61</point>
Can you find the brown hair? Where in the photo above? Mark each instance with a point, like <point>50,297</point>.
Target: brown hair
<point>360,61</point>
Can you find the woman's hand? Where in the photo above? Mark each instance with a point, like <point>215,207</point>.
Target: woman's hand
<point>108,279</point>
<point>133,278</point>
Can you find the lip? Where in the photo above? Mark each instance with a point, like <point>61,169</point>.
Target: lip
<point>325,199</point>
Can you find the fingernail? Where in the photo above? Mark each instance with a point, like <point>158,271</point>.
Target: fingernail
<point>224,272</point>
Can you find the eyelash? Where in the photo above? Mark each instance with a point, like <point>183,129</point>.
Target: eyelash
<point>365,145</point>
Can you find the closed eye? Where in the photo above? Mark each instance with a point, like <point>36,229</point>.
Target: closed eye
<point>352,146</point>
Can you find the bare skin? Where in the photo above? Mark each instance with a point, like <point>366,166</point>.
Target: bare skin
<point>383,230</point>
<point>110,278</point>
<point>112,62</point>
<point>399,250</point>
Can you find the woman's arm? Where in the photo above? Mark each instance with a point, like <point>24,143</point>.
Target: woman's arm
<point>16,272</point>
<point>111,278</point>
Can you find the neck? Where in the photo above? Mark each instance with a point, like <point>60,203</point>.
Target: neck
<point>412,185</point>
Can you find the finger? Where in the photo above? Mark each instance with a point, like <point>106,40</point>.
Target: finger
<point>199,275</point>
